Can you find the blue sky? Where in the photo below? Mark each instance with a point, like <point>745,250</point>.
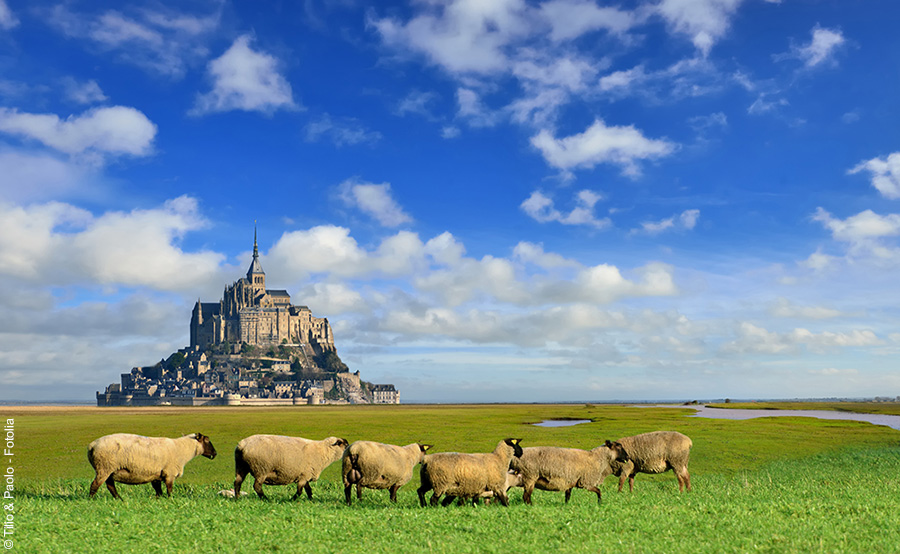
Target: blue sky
<point>498,200</point>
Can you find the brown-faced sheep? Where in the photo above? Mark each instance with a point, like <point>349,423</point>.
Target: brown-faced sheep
<point>467,475</point>
<point>135,460</point>
<point>379,466</point>
<point>655,452</point>
<point>280,460</point>
<point>552,468</point>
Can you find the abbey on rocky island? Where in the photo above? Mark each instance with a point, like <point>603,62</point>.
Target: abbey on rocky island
<point>253,347</point>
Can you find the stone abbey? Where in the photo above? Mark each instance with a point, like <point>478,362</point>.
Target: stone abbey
<point>249,313</point>
<point>252,347</point>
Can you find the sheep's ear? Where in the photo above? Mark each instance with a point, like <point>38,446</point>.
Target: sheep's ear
<point>425,447</point>
<point>514,441</point>
<point>608,444</point>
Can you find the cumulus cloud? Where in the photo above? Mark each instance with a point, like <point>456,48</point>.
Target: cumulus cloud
<point>885,174</point>
<point>687,220</point>
<point>374,200</point>
<point>87,92</point>
<point>757,340</point>
<point>245,79</point>
<point>570,19</point>
<point>59,244</point>
<point>704,21</point>
<point>333,299</point>
<point>542,208</point>
<point>341,132</point>
<point>821,48</point>
<point>863,230</point>
<point>115,130</point>
<point>162,41</point>
<point>8,20</point>
<point>787,309</point>
<point>599,143</point>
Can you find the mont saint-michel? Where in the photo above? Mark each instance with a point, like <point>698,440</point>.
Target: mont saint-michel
<point>251,347</point>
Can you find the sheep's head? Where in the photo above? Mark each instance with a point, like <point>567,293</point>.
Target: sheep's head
<point>514,443</point>
<point>208,449</point>
<point>424,447</point>
<point>341,443</point>
<point>618,451</point>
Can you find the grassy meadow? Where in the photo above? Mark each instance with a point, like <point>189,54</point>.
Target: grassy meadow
<point>761,485</point>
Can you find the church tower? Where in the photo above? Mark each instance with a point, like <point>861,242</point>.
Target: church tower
<point>255,275</point>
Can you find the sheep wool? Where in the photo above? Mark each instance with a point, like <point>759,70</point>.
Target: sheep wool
<point>467,475</point>
<point>655,452</point>
<point>136,460</point>
<point>281,460</point>
<point>553,468</point>
<point>375,465</point>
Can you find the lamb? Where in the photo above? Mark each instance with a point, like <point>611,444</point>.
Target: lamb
<point>655,452</point>
<point>379,466</point>
<point>136,460</point>
<point>280,460</point>
<point>513,479</point>
<point>552,468</point>
<point>467,475</point>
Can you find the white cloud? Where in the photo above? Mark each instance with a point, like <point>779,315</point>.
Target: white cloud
<point>114,130</point>
<point>164,42</point>
<point>859,228</point>
<point>541,208</point>
<point>787,309</point>
<point>245,79</point>
<point>417,102</point>
<point>570,19</point>
<point>686,220</point>
<point>450,132</point>
<point>623,146</point>
<point>26,177</point>
<point>332,299</point>
<point>8,19</point>
<point>757,340</point>
<point>460,35</point>
<point>705,21</point>
<point>821,48</point>
<point>87,92</point>
<point>473,110</point>
<point>375,200</point>
<point>58,244</point>
<point>885,174</point>
<point>528,252</point>
<point>343,132</point>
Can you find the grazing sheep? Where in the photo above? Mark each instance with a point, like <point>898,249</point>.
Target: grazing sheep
<point>655,452</point>
<point>467,475</point>
<point>135,460</point>
<point>280,460</point>
<point>513,479</point>
<point>379,466</point>
<point>552,468</point>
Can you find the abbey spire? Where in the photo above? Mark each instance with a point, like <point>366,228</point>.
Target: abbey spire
<point>255,274</point>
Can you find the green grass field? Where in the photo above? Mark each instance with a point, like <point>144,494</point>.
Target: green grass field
<point>762,485</point>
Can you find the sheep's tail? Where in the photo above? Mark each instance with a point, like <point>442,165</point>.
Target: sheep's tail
<point>354,475</point>
<point>241,467</point>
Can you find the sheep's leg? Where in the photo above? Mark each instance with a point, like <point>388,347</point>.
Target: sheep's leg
<point>299,492</point>
<point>257,486</point>
<point>622,479</point>
<point>631,482</point>
<point>596,490</point>
<point>684,479</point>
<point>157,486</point>
<point>308,490</point>
<point>529,488</point>
<point>394,489</point>
<point>111,485</point>
<point>348,494</point>
<point>434,498</point>
<point>169,482</point>
<point>358,491</point>
<point>421,492</point>
<point>238,480</point>
<point>568,494</point>
<point>449,500</point>
<point>95,485</point>
<point>503,498</point>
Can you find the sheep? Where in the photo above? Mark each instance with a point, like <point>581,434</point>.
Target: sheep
<point>513,479</point>
<point>553,468</point>
<point>136,460</point>
<point>280,460</point>
<point>655,452</point>
<point>379,466</point>
<point>467,475</point>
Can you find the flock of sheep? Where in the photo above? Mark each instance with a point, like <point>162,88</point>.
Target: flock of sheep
<point>281,460</point>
